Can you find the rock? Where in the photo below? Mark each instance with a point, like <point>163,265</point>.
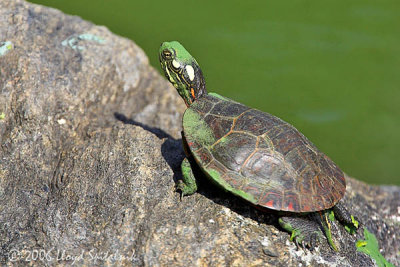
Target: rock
<point>90,153</point>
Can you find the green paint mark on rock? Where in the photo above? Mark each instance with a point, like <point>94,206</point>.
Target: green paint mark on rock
<point>370,247</point>
<point>74,40</point>
<point>91,37</point>
<point>5,47</point>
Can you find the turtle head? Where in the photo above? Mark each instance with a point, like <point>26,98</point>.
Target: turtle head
<point>183,71</point>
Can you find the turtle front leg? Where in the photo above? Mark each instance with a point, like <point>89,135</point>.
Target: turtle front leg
<point>188,184</point>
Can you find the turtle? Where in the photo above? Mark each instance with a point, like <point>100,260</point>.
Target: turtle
<point>255,156</point>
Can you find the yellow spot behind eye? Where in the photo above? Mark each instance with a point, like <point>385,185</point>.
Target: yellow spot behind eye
<point>190,72</point>
<point>176,64</point>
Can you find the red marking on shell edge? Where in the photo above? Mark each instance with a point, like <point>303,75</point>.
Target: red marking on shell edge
<point>270,203</point>
<point>306,208</point>
<point>290,206</point>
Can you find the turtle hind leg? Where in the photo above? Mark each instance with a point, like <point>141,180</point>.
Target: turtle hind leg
<point>351,223</point>
<point>188,184</point>
<point>304,232</point>
<point>342,214</point>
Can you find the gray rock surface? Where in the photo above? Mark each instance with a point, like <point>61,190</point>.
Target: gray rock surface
<point>90,153</point>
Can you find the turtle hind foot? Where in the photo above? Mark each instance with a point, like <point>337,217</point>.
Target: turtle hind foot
<point>304,232</point>
<point>351,223</point>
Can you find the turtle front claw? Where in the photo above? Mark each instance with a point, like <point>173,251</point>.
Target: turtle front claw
<point>184,189</point>
<point>304,233</point>
<point>307,240</point>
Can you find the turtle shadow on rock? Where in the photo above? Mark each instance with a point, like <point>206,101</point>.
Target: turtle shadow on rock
<point>171,149</point>
<point>173,153</point>
<point>221,197</point>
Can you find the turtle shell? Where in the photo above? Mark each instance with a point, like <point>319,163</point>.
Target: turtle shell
<point>260,157</point>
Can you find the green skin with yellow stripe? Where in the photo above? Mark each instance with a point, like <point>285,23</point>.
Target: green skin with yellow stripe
<point>254,155</point>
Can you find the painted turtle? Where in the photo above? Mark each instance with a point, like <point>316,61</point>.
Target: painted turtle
<point>254,155</point>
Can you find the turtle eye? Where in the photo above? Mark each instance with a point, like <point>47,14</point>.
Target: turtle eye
<point>167,54</point>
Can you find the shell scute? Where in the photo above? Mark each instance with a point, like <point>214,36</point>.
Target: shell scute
<point>232,110</point>
<point>234,179</point>
<point>286,141</point>
<point>217,166</point>
<point>225,150</point>
<point>305,187</point>
<point>203,106</point>
<point>253,188</point>
<point>265,143</point>
<point>252,121</point>
<point>204,156</point>
<point>259,164</point>
<point>221,126</point>
<point>295,157</point>
<point>318,201</point>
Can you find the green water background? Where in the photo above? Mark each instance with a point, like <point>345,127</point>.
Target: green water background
<point>330,68</point>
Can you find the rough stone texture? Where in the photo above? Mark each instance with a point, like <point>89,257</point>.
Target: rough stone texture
<point>90,153</point>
